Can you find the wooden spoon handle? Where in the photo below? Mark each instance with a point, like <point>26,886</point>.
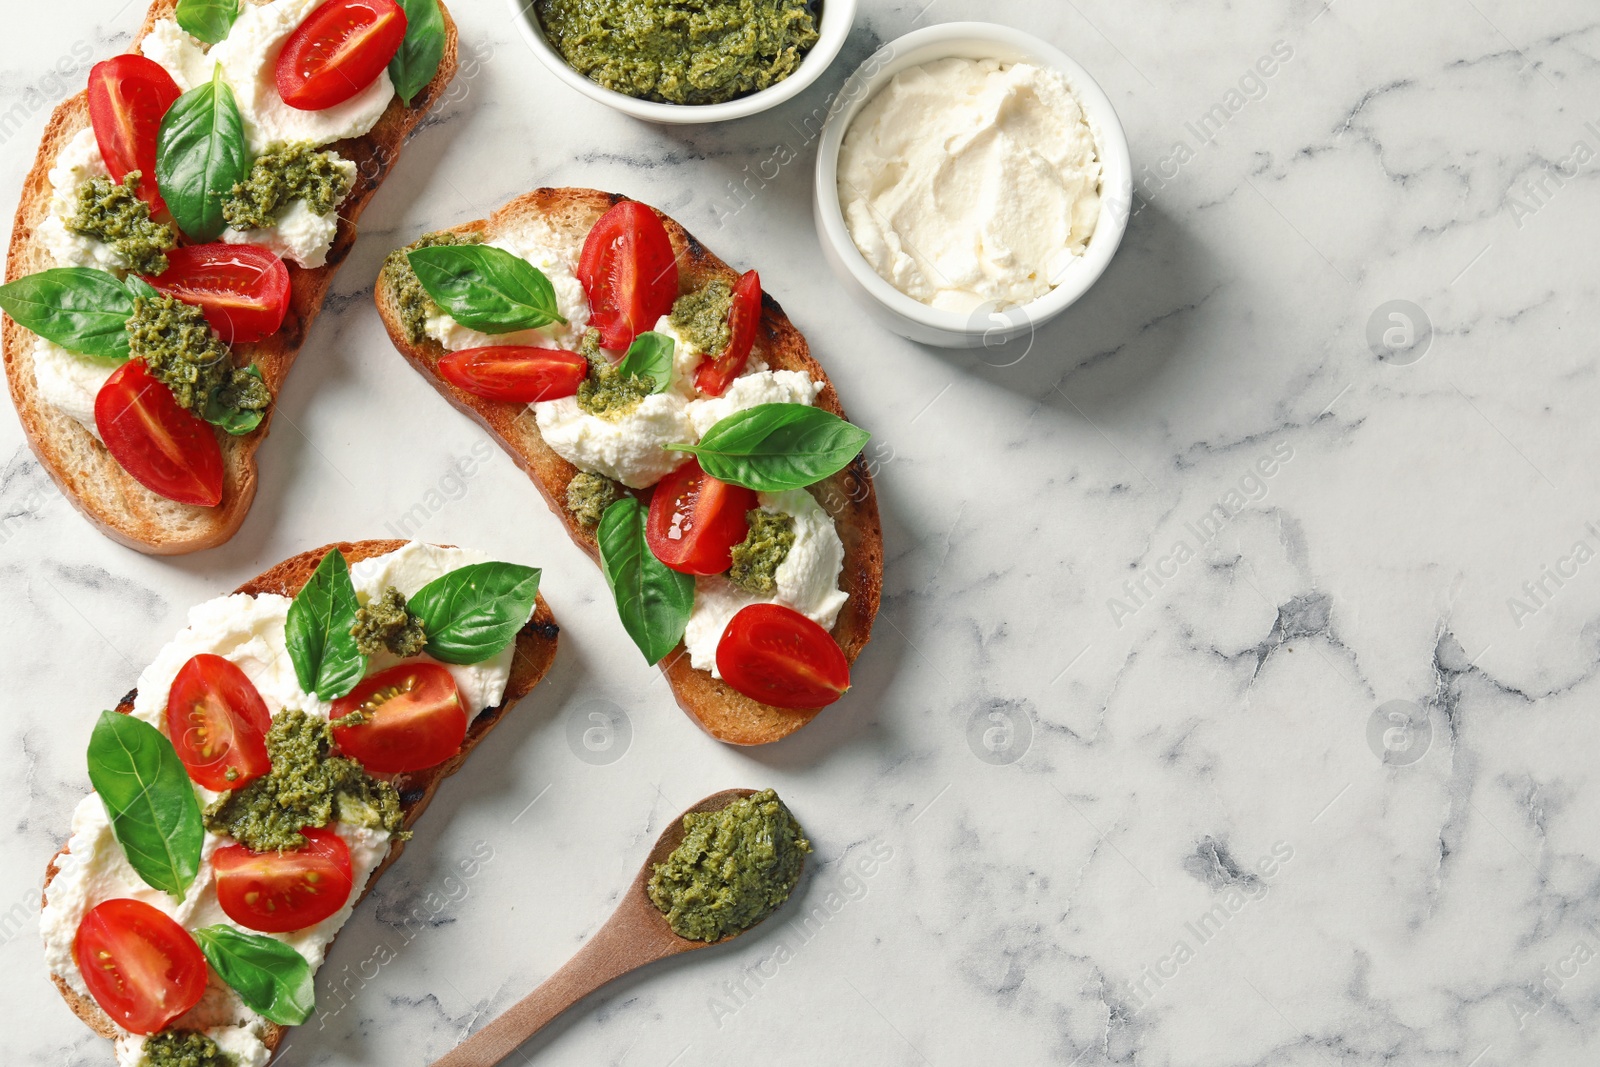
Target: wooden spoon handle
<point>611,953</point>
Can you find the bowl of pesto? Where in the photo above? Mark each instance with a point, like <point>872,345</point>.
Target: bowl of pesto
<point>686,61</point>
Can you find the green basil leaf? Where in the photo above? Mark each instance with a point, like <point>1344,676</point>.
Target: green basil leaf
<point>81,309</point>
<point>235,421</point>
<point>149,799</point>
<point>485,288</point>
<point>653,599</point>
<point>473,612</point>
<point>272,979</point>
<point>326,659</point>
<point>201,156</point>
<point>650,356</point>
<point>772,448</point>
<point>414,66</point>
<point>209,20</point>
<point>140,288</point>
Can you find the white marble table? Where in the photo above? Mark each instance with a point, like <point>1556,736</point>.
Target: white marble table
<point>1135,809</point>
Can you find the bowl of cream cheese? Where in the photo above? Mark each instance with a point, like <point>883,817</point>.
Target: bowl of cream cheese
<point>972,183</point>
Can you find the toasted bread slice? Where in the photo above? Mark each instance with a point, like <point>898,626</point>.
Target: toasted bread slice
<point>848,496</point>
<point>536,649</point>
<point>125,510</point>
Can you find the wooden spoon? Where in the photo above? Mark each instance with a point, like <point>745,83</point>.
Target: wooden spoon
<point>636,934</point>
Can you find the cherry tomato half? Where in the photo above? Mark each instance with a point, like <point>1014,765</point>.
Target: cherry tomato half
<point>218,723</point>
<point>515,373</point>
<point>695,520</point>
<point>140,966</point>
<point>339,50</point>
<point>776,655</point>
<point>276,892</point>
<point>167,449</point>
<point>629,272</point>
<point>414,719</point>
<point>243,289</point>
<point>128,96</point>
<point>714,375</point>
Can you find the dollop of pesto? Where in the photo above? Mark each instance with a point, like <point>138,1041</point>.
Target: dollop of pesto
<point>281,175</point>
<point>701,316</point>
<point>756,559</point>
<point>185,354</point>
<point>386,624</point>
<point>114,214</point>
<point>701,52</point>
<point>588,496</point>
<point>608,393</point>
<point>306,787</point>
<point>735,867</point>
<point>412,300</point>
<point>183,1048</point>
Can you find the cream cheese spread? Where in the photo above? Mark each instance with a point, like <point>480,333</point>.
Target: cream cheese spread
<point>69,382</point>
<point>249,60</point>
<point>249,632</point>
<point>807,580</point>
<point>79,161</point>
<point>630,449</point>
<point>297,234</point>
<point>970,182</point>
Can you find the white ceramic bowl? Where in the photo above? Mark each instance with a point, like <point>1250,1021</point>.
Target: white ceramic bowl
<point>837,18</point>
<point>988,327</point>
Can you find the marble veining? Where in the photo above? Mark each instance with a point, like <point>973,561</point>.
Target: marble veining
<point>1232,698</point>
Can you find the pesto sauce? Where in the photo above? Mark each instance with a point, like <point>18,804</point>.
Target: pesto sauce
<point>757,558</point>
<point>608,393</point>
<point>735,867</point>
<point>182,352</point>
<point>588,496</point>
<point>410,298</point>
<point>281,175</point>
<point>114,214</point>
<point>306,787</point>
<point>183,1048</point>
<point>386,624</point>
<point>701,316</point>
<point>677,52</point>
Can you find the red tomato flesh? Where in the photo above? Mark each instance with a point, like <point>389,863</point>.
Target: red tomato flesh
<point>276,892</point>
<point>140,966</point>
<point>776,655</point>
<point>629,272</point>
<point>515,373</point>
<point>714,375</point>
<point>218,723</point>
<point>414,719</point>
<point>128,96</point>
<point>166,448</point>
<point>338,51</point>
<point>695,520</point>
<point>243,289</point>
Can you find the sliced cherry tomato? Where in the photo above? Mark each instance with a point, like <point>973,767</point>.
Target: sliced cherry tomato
<point>414,719</point>
<point>339,50</point>
<point>166,448</point>
<point>516,373</point>
<point>714,375</point>
<point>218,723</point>
<point>776,655</point>
<point>695,520</point>
<point>243,289</point>
<point>629,272</point>
<point>140,966</point>
<point>128,95</point>
<point>276,892</point>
